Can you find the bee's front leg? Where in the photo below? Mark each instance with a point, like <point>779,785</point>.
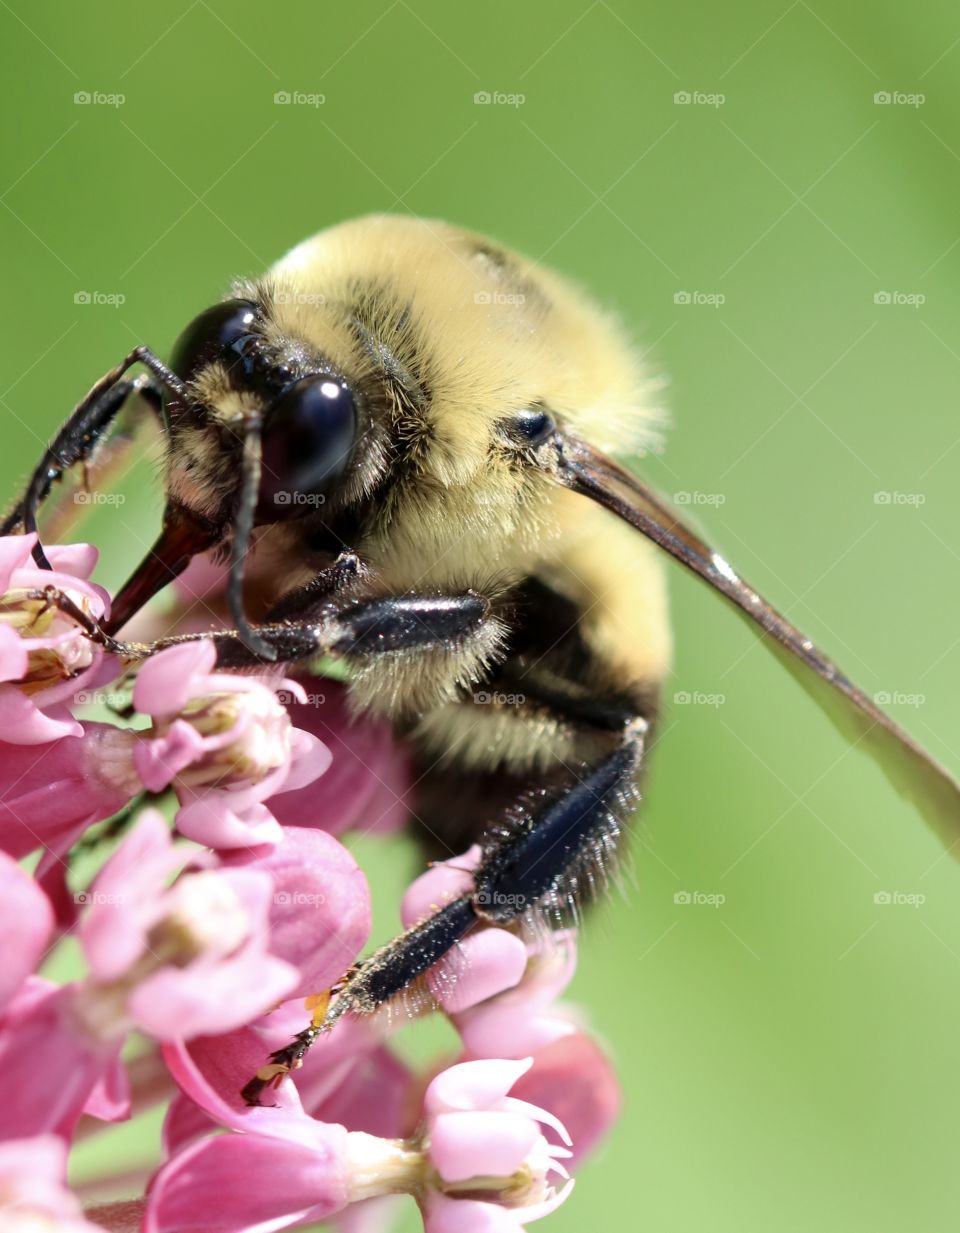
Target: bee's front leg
<point>86,427</point>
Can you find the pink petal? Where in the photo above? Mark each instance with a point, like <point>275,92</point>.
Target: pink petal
<point>50,875</point>
<point>33,1193</point>
<point>486,963</point>
<point>168,681</point>
<point>309,759</point>
<point>213,1070</point>
<point>575,1081</point>
<point>160,759</point>
<point>15,552</point>
<point>23,723</point>
<point>368,774</point>
<point>26,923</point>
<point>126,897</point>
<point>210,820</point>
<point>185,1123</point>
<point>480,1144</point>
<point>47,794</point>
<point>110,1098</point>
<point>373,1096</point>
<point>473,1085</point>
<point>444,881</point>
<point>249,1184</point>
<point>50,1069</point>
<point>334,1063</point>
<point>78,560</point>
<point>44,1157</point>
<point>204,998</point>
<point>370,1216</point>
<point>320,911</point>
<point>511,1104</point>
<point>443,1215</point>
<point>500,1029</point>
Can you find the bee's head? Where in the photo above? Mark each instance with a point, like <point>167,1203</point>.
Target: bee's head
<point>243,381</point>
<point>265,431</point>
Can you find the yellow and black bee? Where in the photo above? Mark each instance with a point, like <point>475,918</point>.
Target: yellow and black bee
<point>402,437</point>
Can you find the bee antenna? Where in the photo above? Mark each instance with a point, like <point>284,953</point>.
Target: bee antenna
<point>242,529</point>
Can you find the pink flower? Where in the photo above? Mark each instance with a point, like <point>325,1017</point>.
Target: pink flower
<point>211,951</point>
<point>220,956</point>
<point>179,960</point>
<point>224,741</point>
<point>478,1161</point>
<point>475,1133</point>
<point>45,657</point>
<point>33,1194</point>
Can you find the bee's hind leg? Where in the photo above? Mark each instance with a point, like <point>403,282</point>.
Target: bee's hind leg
<point>548,859</point>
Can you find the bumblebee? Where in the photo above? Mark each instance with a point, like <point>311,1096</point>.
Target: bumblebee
<point>402,439</point>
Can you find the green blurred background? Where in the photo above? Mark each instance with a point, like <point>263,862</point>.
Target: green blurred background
<point>788,1057</point>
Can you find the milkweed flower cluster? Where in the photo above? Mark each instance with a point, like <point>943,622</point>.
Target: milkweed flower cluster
<point>226,907</point>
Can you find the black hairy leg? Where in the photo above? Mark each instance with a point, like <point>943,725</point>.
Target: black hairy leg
<point>356,629</point>
<point>548,858</point>
<point>85,428</point>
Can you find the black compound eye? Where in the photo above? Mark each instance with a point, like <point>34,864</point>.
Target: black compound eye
<point>308,436</point>
<point>532,426</point>
<point>226,332</point>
